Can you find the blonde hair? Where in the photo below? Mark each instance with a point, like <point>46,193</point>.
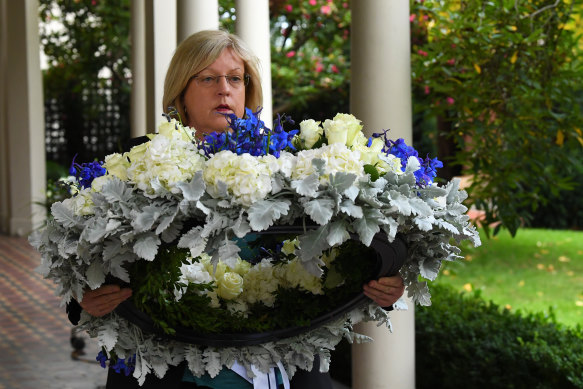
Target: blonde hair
<point>199,51</point>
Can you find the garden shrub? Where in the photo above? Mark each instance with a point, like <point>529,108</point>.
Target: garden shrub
<point>463,341</point>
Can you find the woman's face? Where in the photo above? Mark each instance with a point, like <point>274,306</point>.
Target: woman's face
<point>206,104</point>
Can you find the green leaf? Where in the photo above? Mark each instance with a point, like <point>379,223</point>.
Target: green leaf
<point>372,171</point>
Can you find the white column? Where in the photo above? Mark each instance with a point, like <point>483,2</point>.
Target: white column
<point>160,46</point>
<point>4,192</point>
<point>197,15</point>
<point>252,25</point>
<point>138,122</point>
<point>22,117</point>
<point>380,96</point>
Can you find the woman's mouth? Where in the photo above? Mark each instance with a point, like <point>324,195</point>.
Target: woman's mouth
<point>223,108</point>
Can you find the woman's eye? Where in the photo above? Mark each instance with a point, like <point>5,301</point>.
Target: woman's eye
<point>208,79</point>
<point>235,79</point>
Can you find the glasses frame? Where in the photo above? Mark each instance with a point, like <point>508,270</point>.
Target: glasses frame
<point>246,79</point>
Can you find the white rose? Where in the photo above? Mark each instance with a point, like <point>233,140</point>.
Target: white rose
<point>117,165</point>
<point>230,286</point>
<point>342,129</point>
<point>335,132</point>
<point>310,132</point>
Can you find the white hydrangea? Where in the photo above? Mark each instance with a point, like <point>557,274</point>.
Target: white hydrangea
<point>338,157</point>
<point>248,179</point>
<point>389,163</point>
<point>260,284</point>
<point>294,274</point>
<point>168,159</point>
<point>192,273</point>
<point>81,203</point>
<point>287,163</point>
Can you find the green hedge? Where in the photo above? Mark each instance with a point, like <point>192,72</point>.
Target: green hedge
<point>464,342</point>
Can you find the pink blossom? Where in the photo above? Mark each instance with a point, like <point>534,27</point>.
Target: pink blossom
<point>344,5</point>
<point>326,10</point>
<point>290,54</point>
<point>451,61</point>
<point>422,53</point>
<point>412,17</point>
<point>94,2</point>
<point>450,100</point>
<point>312,2</point>
<point>427,90</point>
<point>335,69</point>
<point>289,7</point>
<point>319,67</point>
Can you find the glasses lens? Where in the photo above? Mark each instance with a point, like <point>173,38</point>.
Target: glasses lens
<point>235,81</point>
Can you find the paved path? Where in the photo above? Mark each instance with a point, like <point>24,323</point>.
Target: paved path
<point>35,348</point>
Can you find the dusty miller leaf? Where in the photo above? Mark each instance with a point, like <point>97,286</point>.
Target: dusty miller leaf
<point>194,189</point>
<point>263,213</point>
<point>320,210</point>
<point>65,216</point>
<point>368,225</point>
<point>313,243</point>
<point>107,336</point>
<point>307,187</point>
<point>146,218</point>
<point>342,181</point>
<point>338,233</point>
<point>146,246</point>
<point>95,275</point>
<point>351,209</point>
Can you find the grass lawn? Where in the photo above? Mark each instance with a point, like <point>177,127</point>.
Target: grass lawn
<point>536,271</point>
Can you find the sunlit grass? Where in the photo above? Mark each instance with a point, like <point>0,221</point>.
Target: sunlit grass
<point>536,271</point>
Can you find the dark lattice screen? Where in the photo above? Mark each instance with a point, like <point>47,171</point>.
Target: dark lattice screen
<point>91,123</point>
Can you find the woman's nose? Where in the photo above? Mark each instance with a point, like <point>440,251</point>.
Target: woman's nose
<point>223,85</point>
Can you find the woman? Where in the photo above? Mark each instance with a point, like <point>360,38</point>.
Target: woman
<point>213,73</point>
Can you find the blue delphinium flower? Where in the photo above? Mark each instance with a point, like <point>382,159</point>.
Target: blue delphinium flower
<point>428,170</point>
<point>121,365</point>
<point>102,359</point>
<point>86,172</point>
<point>249,135</point>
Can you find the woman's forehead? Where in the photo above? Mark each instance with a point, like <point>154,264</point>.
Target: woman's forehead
<point>227,60</point>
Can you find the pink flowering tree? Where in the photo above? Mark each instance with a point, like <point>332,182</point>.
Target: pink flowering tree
<point>310,55</point>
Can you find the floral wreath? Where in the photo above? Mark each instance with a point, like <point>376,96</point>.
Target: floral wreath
<point>169,216</point>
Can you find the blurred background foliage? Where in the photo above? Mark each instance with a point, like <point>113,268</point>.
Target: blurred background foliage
<point>497,88</point>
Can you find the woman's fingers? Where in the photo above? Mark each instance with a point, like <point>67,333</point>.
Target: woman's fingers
<point>385,291</point>
<point>104,299</point>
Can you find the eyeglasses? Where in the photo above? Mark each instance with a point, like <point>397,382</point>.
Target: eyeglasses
<point>236,81</point>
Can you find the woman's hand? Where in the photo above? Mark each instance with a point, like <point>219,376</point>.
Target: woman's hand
<point>385,291</point>
<point>104,299</point>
